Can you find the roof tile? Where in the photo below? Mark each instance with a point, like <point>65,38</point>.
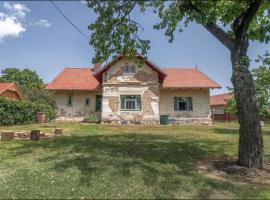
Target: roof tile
<point>187,78</point>
<point>74,79</point>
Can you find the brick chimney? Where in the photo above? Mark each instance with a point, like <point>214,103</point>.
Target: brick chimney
<point>96,66</point>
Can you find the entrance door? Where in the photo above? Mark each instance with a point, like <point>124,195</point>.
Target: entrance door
<point>98,103</point>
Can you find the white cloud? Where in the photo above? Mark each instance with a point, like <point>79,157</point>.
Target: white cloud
<point>17,9</point>
<point>43,23</point>
<point>10,26</point>
<point>14,20</point>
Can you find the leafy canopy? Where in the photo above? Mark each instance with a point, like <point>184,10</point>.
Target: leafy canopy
<point>30,84</point>
<point>25,77</point>
<point>116,32</point>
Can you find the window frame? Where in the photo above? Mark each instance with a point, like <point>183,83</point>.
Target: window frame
<point>136,99</point>
<point>70,100</point>
<point>85,102</point>
<point>129,72</point>
<point>187,100</point>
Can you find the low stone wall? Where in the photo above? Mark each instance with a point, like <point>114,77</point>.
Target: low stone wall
<point>185,121</point>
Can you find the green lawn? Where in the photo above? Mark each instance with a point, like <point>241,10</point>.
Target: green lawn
<point>98,161</point>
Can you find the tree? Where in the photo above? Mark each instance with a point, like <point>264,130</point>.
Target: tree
<point>233,23</point>
<point>262,87</point>
<point>24,77</point>
<point>30,84</point>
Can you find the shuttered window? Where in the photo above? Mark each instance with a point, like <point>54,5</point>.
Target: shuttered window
<point>183,104</point>
<point>130,102</point>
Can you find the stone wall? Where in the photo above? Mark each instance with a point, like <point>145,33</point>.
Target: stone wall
<point>78,111</point>
<point>201,106</point>
<point>144,83</point>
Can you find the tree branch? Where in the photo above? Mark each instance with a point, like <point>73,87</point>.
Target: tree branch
<point>241,24</point>
<point>212,27</point>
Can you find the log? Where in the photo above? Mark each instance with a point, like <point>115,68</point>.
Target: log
<point>35,134</point>
<point>58,131</point>
<point>7,135</point>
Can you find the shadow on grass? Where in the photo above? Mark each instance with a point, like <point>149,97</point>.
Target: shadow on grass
<point>164,163</point>
<point>233,131</point>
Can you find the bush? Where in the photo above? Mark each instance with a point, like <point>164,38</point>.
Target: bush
<point>93,118</point>
<point>22,112</point>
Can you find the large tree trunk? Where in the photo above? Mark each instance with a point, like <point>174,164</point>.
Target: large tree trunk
<point>250,152</point>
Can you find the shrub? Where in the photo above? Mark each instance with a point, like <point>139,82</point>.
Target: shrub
<point>22,112</point>
<point>93,118</point>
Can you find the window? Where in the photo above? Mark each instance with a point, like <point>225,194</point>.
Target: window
<point>129,69</point>
<point>129,102</point>
<point>183,104</point>
<point>70,100</point>
<point>87,102</point>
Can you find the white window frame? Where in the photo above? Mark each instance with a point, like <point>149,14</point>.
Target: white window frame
<point>126,100</point>
<point>189,104</point>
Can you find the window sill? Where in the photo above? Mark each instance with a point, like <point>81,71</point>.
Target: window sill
<point>127,110</point>
<point>183,111</point>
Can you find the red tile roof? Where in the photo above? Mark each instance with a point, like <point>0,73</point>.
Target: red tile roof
<point>84,79</point>
<point>187,78</point>
<point>220,99</point>
<point>74,79</point>
<point>9,86</point>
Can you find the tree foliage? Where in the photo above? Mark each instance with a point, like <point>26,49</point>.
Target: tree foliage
<point>115,31</point>
<point>25,77</point>
<point>31,85</point>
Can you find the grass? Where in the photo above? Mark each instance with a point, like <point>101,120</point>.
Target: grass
<point>97,161</point>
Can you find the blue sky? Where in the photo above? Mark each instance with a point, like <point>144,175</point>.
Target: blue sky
<point>36,36</point>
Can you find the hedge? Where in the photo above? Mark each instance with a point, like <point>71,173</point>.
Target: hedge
<point>22,112</point>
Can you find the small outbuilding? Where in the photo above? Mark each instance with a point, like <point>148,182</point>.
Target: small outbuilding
<point>218,104</point>
<point>10,91</point>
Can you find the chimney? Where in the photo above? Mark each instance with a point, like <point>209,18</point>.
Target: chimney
<point>96,66</point>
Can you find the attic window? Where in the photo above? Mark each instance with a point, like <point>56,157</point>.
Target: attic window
<point>129,69</point>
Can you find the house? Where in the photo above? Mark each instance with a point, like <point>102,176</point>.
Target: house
<point>133,90</point>
<point>218,104</point>
<point>10,90</point>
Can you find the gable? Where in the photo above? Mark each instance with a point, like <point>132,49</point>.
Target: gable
<point>130,70</point>
<point>6,89</point>
<point>139,58</point>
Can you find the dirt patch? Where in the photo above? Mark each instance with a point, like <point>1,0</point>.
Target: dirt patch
<point>227,169</point>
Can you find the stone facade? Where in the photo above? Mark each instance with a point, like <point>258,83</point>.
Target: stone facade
<point>144,82</point>
<point>201,106</point>
<point>78,111</point>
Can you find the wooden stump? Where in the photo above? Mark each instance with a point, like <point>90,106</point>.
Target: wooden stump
<point>35,134</point>
<point>7,135</point>
<point>58,131</point>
